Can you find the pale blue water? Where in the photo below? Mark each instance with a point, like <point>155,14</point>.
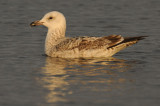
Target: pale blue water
<point>130,78</point>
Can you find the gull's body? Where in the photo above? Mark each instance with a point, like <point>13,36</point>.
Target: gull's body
<point>57,45</point>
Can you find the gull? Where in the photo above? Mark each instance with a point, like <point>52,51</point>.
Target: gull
<point>57,45</point>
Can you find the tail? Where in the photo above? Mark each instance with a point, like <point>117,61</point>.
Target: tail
<point>128,41</point>
<point>133,39</point>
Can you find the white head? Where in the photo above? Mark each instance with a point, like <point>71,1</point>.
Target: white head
<point>53,21</point>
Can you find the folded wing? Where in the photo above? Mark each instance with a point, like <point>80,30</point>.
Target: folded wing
<point>85,43</point>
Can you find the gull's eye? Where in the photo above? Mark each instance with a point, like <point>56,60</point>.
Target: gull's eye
<point>50,18</point>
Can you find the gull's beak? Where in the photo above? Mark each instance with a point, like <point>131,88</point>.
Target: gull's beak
<point>35,23</point>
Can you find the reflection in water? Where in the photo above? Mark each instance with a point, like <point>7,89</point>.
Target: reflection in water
<point>54,80</point>
<point>60,76</point>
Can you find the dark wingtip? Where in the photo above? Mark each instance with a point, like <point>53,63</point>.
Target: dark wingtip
<point>130,39</point>
<point>126,39</point>
<point>141,37</point>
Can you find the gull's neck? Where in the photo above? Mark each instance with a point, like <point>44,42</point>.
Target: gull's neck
<point>54,36</point>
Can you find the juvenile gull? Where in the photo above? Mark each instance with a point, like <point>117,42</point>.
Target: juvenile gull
<point>57,45</point>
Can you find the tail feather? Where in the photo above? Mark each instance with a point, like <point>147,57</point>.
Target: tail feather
<point>129,41</point>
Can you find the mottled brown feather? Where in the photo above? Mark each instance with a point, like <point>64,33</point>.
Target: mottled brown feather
<point>85,43</point>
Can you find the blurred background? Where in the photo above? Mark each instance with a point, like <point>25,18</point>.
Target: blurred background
<point>130,78</point>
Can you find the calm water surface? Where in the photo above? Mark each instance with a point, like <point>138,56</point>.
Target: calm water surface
<point>130,78</point>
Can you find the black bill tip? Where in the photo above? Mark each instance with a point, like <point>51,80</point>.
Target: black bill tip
<point>32,24</point>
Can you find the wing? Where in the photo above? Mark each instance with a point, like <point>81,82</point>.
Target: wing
<point>85,43</point>
<point>128,41</point>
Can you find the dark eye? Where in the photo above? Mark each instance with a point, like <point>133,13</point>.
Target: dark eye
<point>50,18</point>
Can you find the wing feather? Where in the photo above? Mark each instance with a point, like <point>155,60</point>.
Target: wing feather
<point>85,43</point>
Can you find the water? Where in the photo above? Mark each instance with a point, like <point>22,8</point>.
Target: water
<point>130,78</point>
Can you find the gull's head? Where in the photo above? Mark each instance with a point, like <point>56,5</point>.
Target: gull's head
<point>51,20</point>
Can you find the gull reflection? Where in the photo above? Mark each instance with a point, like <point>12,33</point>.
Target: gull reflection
<point>60,76</point>
<point>54,79</point>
